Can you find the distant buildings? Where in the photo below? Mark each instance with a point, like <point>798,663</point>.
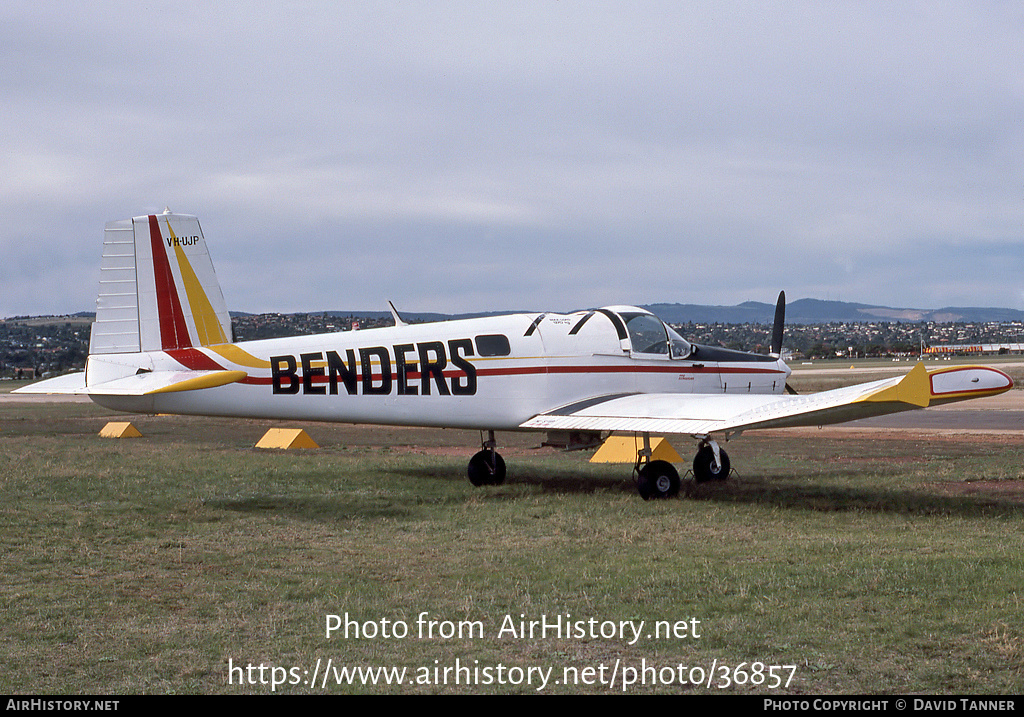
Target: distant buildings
<point>56,344</point>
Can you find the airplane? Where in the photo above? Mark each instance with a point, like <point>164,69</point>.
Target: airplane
<point>162,343</point>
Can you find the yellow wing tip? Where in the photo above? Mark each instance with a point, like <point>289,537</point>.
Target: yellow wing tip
<point>922,388</point>
<point>914,388</point>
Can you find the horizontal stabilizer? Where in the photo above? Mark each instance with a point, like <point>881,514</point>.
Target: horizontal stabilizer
<point>142,384</point>
<point>145,384</point>
<point>72,383</point>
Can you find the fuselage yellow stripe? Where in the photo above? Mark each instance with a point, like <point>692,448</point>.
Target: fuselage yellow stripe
<point>237,356</point>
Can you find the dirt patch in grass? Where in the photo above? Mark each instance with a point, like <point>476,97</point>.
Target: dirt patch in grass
<point>468,451</point>
<point>1003,437</point>
<point>1002,489</point>
<point>1005,489</point>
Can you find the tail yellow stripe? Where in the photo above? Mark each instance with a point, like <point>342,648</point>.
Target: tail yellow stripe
<point>208,327</point>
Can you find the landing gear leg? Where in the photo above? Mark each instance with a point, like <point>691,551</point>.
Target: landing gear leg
<point>711,462</point>
<point>655,479</point>
<point>487,467</point>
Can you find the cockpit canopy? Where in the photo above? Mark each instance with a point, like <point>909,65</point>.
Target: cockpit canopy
<point>651,336</point>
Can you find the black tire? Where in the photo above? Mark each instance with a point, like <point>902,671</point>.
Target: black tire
<point>703,463</point>
<point>657,480</point>
<point>486,468</point>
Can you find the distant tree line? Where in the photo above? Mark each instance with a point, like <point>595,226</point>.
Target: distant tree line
<point>54,345</point>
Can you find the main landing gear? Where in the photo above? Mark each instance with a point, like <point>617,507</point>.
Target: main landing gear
<point>654,479</point>
<point>487,467</point>
<point>657,479</point>
<point>710,463</point>
<point>660,479</point>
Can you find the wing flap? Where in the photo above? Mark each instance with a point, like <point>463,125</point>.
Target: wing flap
<point>711,413</point>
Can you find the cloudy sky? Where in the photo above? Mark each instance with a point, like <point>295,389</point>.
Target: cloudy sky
<point>547,155</point>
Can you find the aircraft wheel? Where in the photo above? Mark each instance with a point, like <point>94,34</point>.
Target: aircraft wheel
<point>486,468</point>
<point>658,479</point>
<point>703,465</point>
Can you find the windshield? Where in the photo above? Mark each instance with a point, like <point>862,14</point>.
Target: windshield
<point>680,347</point>
<point>649,335</point>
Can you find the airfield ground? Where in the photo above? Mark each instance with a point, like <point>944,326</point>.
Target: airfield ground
<point>867,558</point>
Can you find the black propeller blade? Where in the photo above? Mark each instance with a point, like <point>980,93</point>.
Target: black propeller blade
<point>777,330</point>
<point>780,321</point>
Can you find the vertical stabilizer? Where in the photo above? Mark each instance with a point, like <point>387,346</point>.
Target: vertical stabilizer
<point>158,288</point>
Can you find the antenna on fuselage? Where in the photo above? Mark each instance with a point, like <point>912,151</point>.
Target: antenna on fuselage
<point>398,319</point>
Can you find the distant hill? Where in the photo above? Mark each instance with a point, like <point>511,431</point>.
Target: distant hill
<point>802,311</point>
<point>817,311</point>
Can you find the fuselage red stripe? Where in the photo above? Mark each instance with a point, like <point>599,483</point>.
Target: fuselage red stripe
<point>195,359</point>
<point>539,370</point>
<point>622,369</point>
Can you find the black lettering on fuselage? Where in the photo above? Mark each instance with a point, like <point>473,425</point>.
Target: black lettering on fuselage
<point>425,361</point>
<point>403,368</point>
<point>458,387</point>
<point>433,369</point>
<point>365,357</point>
<point>309,373</point>
<point>347,371</point>
<point>280,374</point>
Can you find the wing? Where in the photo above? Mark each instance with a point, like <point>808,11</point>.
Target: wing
<point>702,415</point>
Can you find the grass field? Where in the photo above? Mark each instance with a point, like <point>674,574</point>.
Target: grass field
<point>870,562</point>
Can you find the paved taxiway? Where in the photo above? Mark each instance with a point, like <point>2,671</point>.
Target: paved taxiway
<point>999,413</point>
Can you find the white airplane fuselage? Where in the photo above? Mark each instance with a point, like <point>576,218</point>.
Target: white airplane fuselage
<point>489,373</point>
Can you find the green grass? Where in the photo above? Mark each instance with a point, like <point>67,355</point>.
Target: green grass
<point>873,563</point>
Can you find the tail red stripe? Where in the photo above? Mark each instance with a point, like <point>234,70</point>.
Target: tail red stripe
<point>173,329</point>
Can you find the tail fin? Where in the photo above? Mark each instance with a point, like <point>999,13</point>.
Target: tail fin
<point>158,289</point>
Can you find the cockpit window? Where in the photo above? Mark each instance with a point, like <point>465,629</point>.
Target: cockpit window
<point>649,335</point>
<point>646,334</point>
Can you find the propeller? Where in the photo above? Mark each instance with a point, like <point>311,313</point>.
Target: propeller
<point>780,321</point>
<point>777,330</point>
